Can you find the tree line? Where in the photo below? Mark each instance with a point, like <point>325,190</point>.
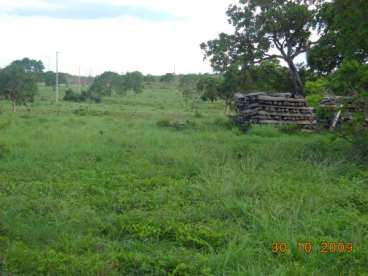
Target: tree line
<point>332,34</point>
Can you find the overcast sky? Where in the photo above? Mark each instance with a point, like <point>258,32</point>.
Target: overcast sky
<point>117,35</point>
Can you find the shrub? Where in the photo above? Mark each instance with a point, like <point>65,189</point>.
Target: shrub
<point>324,117</point>
<point>318,87</point>
<point>351,79</point>
<point>71,96</point>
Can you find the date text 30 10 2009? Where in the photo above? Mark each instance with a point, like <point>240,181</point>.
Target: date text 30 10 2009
<point>308,247</point>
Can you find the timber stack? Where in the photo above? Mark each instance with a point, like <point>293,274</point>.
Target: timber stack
<point>278,109</point>
<point>332,105</point>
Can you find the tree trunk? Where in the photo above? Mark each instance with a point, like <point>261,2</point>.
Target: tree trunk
<point>298,87</point>
<point>14,106</point>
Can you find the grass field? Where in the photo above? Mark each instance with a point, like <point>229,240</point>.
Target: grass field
<point>138,185</point>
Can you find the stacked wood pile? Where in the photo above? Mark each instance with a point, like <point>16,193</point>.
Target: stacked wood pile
<point>278,109</point>
<point>340,108</point>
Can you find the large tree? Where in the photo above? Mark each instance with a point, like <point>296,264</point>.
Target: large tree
<point>264,30</point>
<point>343,28</point>
<point>31,66</point>
<point>106,84</point>
<point>134,81</point>
<point>17,85</point>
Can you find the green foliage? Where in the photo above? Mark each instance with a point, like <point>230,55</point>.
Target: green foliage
<point>317,87</point>
<point>351,79</point>
<point>169,77</point>
<point>324,57</point>
<point>107,84</point>
<point>31,66</point>
<point>314,100</point>
<point>110,83</point>
<point>259,27</point>
<point>17,85</point>
<point>189,89</point>
<point>209,87</point>
<point>150,79</point>
<point>268,76</point>
<point>49,78</point>
<point>72,96</point>
<point>134,81</point>
<point>344,34</point>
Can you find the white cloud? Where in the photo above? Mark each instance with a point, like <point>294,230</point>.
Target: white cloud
<point>117,44</point>
<point>8,6</point>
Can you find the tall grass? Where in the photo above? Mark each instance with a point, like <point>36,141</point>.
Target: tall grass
<point>108,190</point>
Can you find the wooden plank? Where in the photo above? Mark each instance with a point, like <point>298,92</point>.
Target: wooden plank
<point>254,105</point>
<point>284,122</point>
<point>281,99</point>
<point>284,114</point>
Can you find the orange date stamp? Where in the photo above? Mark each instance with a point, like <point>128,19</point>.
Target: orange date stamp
<point>308,247</point>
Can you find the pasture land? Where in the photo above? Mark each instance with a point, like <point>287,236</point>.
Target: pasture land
<point>139,185</point>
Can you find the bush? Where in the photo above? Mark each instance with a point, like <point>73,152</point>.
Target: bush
<point>318,87</point>
<point>351,79</point>
<point>314,100</point>
<point>324,117</point>
<point>71,96</point>
<point>360,147</point>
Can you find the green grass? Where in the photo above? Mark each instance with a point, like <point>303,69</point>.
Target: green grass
<point>139,185</point>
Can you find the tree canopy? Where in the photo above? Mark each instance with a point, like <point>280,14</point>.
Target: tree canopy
<point>17,85</point>
<point>264,30</point>
<point>134,81</point>
<point>109,83</point>
<point>49,78</point>
<point>106,84</point>
<point>31,66</point>
<point>343,28</point>
<point>169,77</point>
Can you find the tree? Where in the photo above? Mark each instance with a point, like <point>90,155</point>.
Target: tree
<point>264,30</point>
<point>209,87</point>
<point>50,78</point>
<point>72,96</point>
<point>343,28</point>
<point>149,78</point>
<point>32,66</point>
<point>17,85</point>
<point>169,77</point>
<point>188,87</point>
<point>268,76</point>
<point>107,83</point>
<point>351,80</point>
<point>134,81</point>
